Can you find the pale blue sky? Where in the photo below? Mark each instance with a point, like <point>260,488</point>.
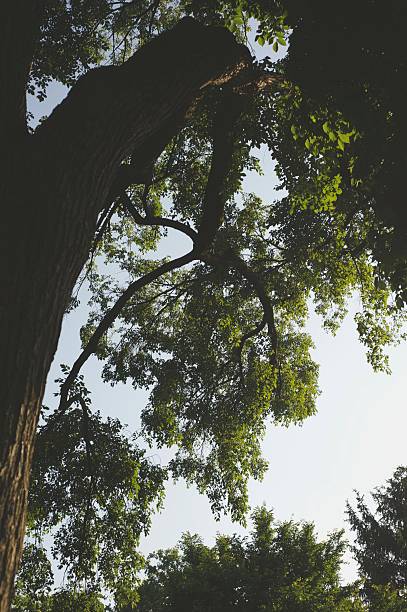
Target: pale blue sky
<point>356,440</point>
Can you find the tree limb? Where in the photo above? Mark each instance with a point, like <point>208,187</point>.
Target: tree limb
<point>250,334</point>
<point>224,142</point>
<point>135,109</point>
<point>110,317</point>
<point>158,221</point>
<point>258,285</point>
<point>237,262</point>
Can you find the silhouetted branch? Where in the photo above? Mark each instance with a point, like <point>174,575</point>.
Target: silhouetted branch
<point>114,312</point>
<point>258,285</point>
<point>157,221</point>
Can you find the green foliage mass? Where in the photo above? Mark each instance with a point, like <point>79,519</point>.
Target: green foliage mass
<point>34,580</point>
<point>221,345</point>
<point>93,491</point>
<point>357,74</point>
<point>280,567</point>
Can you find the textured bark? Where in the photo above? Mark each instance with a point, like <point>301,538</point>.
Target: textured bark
<point>53,186</point>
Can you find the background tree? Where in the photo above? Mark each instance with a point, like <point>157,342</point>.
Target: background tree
<point>281,566</point>
<point>381,543</point>
<point>181,125</point>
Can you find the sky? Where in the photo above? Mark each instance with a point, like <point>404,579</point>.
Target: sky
<point>355,441</point>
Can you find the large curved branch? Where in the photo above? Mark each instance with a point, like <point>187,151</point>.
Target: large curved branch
<point>158,221</point>
<point>224,142</point>
<point>114,312</point>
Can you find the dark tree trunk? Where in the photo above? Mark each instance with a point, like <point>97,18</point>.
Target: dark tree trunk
<point>53,186</point>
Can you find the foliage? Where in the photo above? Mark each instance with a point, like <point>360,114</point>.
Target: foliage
<point>281,566</point>
<point>381,542</point>
<point>357,75</point>
<point>93,490</point>
<point>34,584</point>
<point>77,36</point>
<point>34,580</point>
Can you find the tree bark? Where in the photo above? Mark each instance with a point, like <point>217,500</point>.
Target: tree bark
<point>53,186</point>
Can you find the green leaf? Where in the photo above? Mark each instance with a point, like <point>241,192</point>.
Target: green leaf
<point>326,127</point>
<point>345,137</point>
<point>275,46</point>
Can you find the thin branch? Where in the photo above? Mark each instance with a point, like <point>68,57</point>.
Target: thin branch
<point>104,221</point>
<point>250,334</point>
<point>170,302</point>
<point>237,262</point>
<point>170,289</point>
<point>115,311</point>
<point>258,285</point>
<point>153,14</point>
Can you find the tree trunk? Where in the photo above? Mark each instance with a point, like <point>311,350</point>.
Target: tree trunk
<point>53,186</point>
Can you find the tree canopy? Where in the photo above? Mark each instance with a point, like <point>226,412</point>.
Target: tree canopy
<point>281,566</point>
<point>218,336</point>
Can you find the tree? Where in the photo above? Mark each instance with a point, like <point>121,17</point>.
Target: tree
<point>281,566</point>
<point>160,122</point>
<point>381,543</point>
<point>51,221</point>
